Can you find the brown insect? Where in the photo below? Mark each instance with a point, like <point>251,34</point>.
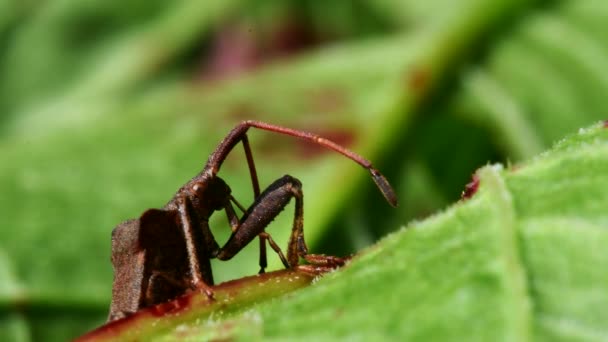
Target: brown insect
<point>166,252</point>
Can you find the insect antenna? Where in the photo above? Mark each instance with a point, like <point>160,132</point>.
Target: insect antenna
<point>381,181</point>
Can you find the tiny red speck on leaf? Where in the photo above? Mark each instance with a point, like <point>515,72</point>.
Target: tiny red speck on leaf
<point>471,188</point>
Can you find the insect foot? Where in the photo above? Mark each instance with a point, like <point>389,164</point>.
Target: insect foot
<point>319,264</point>
<point>204,289</point>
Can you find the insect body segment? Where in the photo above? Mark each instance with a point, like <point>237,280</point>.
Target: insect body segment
<point>166,252</point>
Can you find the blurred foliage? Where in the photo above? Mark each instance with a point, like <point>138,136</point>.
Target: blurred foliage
<point>108,107</point>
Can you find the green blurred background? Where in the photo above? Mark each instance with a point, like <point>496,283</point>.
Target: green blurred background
<point>106,108</point>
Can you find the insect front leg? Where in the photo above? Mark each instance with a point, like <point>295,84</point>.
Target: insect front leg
<point>234,222</point>
<point>266,207</point>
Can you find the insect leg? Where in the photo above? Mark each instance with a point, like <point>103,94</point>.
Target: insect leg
<point>252,171</point>
<point>266,207</point>
<point>234,225</point>
<point>199,263</point>
<point>275,247</point>
<point>233,220</point>
<point>263,261</point>
<point>241,208</point>
<point>297,244</point>
<point>256,192</point>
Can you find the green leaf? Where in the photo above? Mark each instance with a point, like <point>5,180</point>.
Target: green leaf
<point>521,259</point>
<point>542,80</point>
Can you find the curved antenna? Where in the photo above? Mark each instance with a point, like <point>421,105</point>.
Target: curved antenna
<point>238,134</point>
